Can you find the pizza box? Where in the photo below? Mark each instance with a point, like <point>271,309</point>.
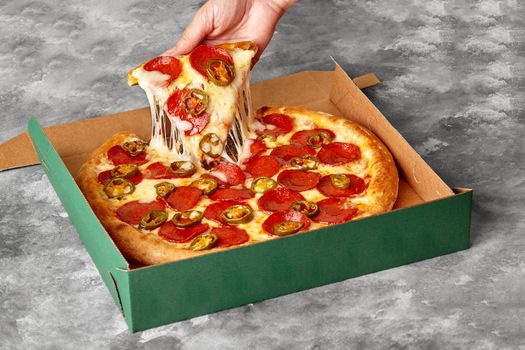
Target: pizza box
<point>429,219</point>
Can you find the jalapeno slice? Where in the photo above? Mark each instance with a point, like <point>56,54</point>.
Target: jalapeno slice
<point>340,181</point>
<point>206,185</point>
<point>307,162</point>
<point>237,214</point>
<point>211,145</point>
<point>118,187</point>
<point>187,218</point>
<point>306,207</point>
<point>164,189</point>
<point>195,101</point>
<point>319,138</point>
<point>135,147</point>
<point>182,168</point>
<point>203,241</point>
<point>125,171</point>
<point>153,219</point>
<point>263,184</point>
<point>268,140</point>
<point>220,72</point>
<point>287,227</point>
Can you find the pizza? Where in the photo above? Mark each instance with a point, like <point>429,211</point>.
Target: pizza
<point>196,99</point>
<point>259,176</point>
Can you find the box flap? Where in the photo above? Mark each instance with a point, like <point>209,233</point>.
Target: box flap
<point>90,133</point>
<point>354,105</point>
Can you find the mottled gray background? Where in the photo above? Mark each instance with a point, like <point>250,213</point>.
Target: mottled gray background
<point>453,84</point>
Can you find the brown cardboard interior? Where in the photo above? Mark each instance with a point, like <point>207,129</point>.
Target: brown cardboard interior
<point>331,92</point>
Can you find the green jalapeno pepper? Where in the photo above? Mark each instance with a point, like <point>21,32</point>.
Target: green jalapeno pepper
<point>263,184</point>
<point>237,214</point>
<point>308,162</point>
<point>206,185</point>
<point>125,171</point>
<point>164,189</point>
<point>220,72</point>
<point>211,145</point>
<point>195,101</point>
<point>268,140</point>
<point>153,219</point>
<point>135,147</point>
<point>187,218</point>
<point>340,181</point>
<point>287,227</point>
<point>307,208</point>
<point>118,187</point>
<point>203,241</point>
<point>182,168</point>
<point>319,138</point>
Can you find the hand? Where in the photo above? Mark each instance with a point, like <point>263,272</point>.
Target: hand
<point>220,21</point>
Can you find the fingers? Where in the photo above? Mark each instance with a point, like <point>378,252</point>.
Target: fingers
<point>197,30</point>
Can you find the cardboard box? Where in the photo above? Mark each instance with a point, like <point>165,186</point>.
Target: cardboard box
<point>429,218</point>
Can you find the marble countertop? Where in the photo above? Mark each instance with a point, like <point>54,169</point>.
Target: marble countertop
<point>452,84</point>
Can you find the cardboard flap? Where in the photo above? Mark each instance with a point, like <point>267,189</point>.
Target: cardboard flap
<point>344,95</point>
<point>74,138</point>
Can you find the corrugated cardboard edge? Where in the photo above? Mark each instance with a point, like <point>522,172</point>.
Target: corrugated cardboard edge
<point>19,152</point>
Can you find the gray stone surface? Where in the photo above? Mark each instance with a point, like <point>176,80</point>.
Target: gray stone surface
<point>453,85</point>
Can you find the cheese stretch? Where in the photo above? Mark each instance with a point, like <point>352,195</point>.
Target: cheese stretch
<point>229,109</point>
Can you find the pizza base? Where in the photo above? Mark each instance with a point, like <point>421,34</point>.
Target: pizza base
<point>151,249</point>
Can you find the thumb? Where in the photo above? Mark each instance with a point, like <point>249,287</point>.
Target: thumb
<point>194,34</point>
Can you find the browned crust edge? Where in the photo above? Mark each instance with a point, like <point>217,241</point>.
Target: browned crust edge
<point>384,178</point>
<point>243,45</point>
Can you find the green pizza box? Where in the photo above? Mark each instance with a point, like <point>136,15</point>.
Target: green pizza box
<point>429,219</point>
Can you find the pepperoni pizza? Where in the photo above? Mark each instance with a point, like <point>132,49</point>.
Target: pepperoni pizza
<point>302,170</point>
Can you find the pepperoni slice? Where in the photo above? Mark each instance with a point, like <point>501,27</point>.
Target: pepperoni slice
<point>132,212</point>
<point>172,233</point>
<point>263,166</point>
<point>213,211</point>
<point>198,122</point>
<point>227,194</point>
<point>202,53</point>
<point>289,215</point>
<point>337,153</point>
<point>301,137</point>
<point>184,198</point>
<point>228,236</point>
<point>158,170</point>
<point>281,123</point>
<point>287,152</point>
<point>334,211</point>
<point>119,156</point>
<point>357,185</point>
<point>105,177</point>
<point>278,199</point>
<point>166,65</point>
<point>299,180</point>
<point>229,173</point>
<point>256,147</point>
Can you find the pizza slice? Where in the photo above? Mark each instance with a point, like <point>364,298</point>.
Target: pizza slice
<point>200,102</point>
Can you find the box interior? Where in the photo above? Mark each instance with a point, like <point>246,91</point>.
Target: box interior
<point>331,92</point>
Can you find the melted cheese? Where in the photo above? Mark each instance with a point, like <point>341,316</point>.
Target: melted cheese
<point>229,110</point>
